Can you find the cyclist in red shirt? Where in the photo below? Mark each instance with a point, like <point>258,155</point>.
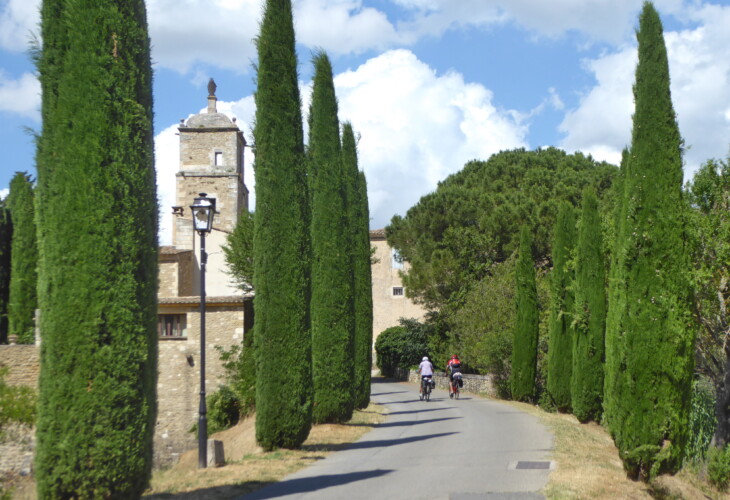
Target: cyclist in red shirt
<point>452,367</point>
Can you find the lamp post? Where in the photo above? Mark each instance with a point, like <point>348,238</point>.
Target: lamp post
<point>203,210</point>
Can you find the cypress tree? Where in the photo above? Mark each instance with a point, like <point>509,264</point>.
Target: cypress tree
<point>6,234</point>
<point>651,335</point>
<point>360,228</point>
<point>560,347</point>
<point>23,299</point>
<point>332,279</point>
<point>524,344</point>
<point>282,335</point>
<point>97,240</point>
<point>590,314</point>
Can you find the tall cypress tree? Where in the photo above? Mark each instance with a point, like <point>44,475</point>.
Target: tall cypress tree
<point>6,235</point>
<point>282,335</point>
<point>560,347</point>
<point>360,230</point>
<point>23,299</point>
<point>97,211</point>
<point>590,314</point>
<point>653,342</point>
<point>332,279</point>
<point>524,345</point>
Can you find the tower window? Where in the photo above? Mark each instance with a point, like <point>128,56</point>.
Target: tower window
<point>218,159</point>
<point>397,291</point>
<point>171,326</point>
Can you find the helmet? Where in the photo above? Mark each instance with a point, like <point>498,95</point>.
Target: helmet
<point>425,358</point>
<point>454,357</point>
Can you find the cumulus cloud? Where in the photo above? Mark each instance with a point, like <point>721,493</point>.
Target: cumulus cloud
<point>18,21</point>
<point>700,84</point>
<point>21,96</point>
<point>417,127</point>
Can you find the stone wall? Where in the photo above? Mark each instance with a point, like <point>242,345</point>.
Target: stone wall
<point>23,362</point>
<point>477,384</point>
<point>178,383</point>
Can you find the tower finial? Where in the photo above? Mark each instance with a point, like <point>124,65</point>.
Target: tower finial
<point>211,97</point>
<point>211,88</point>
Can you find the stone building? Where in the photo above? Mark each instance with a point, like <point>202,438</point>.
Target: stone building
<point>211,162</point>
<point>389,298</point>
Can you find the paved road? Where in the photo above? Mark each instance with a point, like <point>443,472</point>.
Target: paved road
<point>468,449</point>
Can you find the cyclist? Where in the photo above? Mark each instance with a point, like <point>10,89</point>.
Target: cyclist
<point>452,367</point>
<point>425,370</point>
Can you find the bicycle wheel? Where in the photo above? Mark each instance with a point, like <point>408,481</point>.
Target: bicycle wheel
<point>428,393</point>
<point>457,392</point>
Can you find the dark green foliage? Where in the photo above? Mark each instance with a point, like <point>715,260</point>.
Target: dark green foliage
<point>238,252</point>
<point>718,467</point>
<point>709,196</point>
<point>17,404</point>
<point>223,409</point>
<point>282,335</point>
<point>23,299</point>
<point>589,315</point>
<point>524,344</point>
<point>702,421</point>
<point>651,357</point>
<point>401,346</point>
<point>97,214</point>
<point>332,306</point>
<point>560,347</point>
<point>6,235</point>
<point>452,236</point>
<point>361,266</point>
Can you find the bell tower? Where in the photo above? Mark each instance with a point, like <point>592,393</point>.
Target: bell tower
<point>211,161</point>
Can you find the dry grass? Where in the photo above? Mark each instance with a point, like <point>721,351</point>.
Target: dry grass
<point>248,467</point>
<point>589,467</point>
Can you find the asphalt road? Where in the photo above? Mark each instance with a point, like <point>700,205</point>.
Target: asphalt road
<point>468,449</point>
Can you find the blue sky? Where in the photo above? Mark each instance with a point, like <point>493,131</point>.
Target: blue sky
<point>428,84</point>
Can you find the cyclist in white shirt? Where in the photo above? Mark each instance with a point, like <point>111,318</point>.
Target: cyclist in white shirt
<point>425,370</point>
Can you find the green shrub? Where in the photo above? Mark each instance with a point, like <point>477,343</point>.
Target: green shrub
<point>702,420</point>
<point>17,404</point>
<point>223,409</point>
<point>718,466</point>
<point>401,346</point>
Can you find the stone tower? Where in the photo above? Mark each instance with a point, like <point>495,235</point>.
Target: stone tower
<point>211,161</point>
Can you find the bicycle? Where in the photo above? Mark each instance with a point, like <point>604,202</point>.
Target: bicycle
<point>455,385</point>
<point>425,388</point>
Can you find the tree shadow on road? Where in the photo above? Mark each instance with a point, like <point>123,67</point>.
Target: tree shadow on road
<point>310,484</point>
<point>403,422</point>
<point>373,444</point>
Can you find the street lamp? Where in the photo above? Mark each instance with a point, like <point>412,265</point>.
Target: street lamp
<point>203,210</point>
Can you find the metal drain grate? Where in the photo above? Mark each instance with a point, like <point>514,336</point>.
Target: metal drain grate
<point>533,465</point>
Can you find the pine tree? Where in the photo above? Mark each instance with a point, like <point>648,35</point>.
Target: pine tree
<point>97,210</point>
<point>332,279</point>
<point>360,229</point>
<point>560,347</point>
<point>282,334</point>
<point>590,314</point>
<point>524,346</point>
<point>6,235</point>
<point>22,301</point>
<point>651,340</point>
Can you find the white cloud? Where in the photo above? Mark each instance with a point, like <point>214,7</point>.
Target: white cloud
<point>18,21</point>
<point>418,127</point>
<point>21,96</point>
<point>700,83</point>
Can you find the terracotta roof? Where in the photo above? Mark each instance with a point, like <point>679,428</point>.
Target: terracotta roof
<point>195,300</point>
<point>377,234</point>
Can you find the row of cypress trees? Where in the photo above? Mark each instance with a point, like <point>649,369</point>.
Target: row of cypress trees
<point>646,334</point>
<point>311,249</point>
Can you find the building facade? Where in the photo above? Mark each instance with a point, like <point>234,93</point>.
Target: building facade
<point>389,296</point>
<point>211,162</point>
